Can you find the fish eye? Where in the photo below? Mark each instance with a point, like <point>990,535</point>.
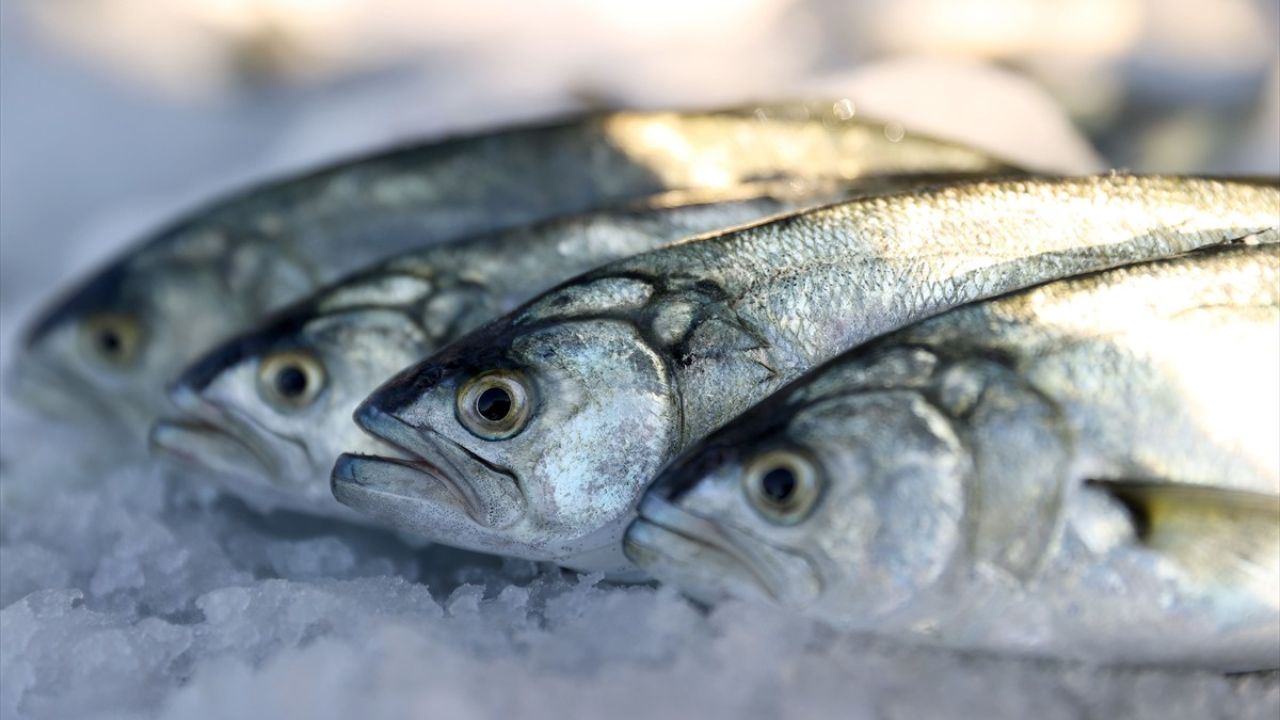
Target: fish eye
<point>290,379</point>
<point>494,405</point>
<point>111,339</point>
<point>782,485</point>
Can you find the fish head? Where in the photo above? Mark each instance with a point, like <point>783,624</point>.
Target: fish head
<point>851,501</point>
<point>528,439</point>
<point>99,358</point>
<point>269,411</point>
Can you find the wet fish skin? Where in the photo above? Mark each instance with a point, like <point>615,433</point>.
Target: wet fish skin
<point>960,470</point>
<point>101,355</point>
<point>627,365</point>
<point>361,330</point>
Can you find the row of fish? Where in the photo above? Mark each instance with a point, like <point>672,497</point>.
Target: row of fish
<point>889,382</point>
<point>110,346</point>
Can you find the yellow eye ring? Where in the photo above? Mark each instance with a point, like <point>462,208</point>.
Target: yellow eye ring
<point>494,405</point>
<point>782,485</point>
<point>291,379</point>
<point>111,338</point>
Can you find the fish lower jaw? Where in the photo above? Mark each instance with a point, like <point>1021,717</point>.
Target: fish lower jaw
<point>207,447</point>
<point>372,483</point>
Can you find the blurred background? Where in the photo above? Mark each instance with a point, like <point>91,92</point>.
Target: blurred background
<point>117,113</point>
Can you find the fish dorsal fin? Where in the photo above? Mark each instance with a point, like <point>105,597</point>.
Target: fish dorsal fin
<point>1217,535</point>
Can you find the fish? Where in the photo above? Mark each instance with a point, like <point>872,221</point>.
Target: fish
<point>534,435</point>
<point>269,410</point>
<point>1086,470</point>
<point>100,356</point>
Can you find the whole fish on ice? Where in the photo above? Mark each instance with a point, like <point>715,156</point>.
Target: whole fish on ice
<point>1088,469</point>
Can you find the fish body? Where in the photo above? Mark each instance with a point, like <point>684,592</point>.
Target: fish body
<point>102,354</point>
<point>535,435</point>
<point>275,444</point>
<point>1087,469</point>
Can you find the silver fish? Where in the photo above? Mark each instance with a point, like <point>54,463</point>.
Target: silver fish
<point>1089,469</point>
<point>535,435</point>
<point>103,354</point>
<point>271,409</point>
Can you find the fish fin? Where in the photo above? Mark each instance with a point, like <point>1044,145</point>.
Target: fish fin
<point>1214,534</point>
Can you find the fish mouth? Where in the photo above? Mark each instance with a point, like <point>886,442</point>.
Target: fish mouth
<point>432,471</point>
<point>409,495</point>
<point>710,561</point>
<point>254,469</point>
<point>210,447</point>
<point>227,443</point>
<point>59,394</point>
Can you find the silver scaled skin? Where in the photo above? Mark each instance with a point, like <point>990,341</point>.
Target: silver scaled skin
<point>1085,470</point>
<point>101,356</point>
<point>535,435</point>
<point>270,410</point>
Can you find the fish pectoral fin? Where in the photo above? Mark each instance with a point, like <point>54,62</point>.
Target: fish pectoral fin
<point>1214,534</point>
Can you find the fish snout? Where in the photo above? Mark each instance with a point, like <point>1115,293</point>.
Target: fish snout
<point>38,389</point>
<point>682,475</point>
<point>201,432</point>
<point>400,394</point>
<point>53,391</point>
<point>184,398</point>
<point>392,429</point>
<point>190,406</point>
<point>21,378</point>
<point>489,495</point>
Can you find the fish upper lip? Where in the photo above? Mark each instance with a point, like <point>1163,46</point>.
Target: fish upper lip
<point>415,445</point>
<point>660,513</point>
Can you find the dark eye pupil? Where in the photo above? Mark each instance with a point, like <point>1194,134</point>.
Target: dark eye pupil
<point>493,404</point>
<point>109,342</point>
<point>291,381</point>
<point>778,484</point>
